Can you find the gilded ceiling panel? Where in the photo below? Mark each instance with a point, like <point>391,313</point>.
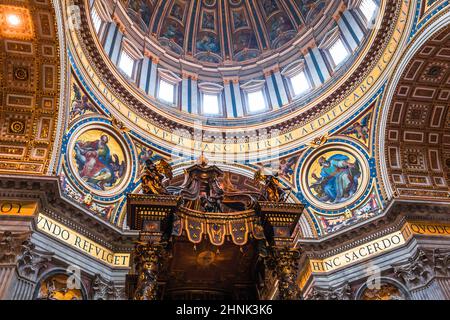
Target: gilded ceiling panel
<point>29,58</point>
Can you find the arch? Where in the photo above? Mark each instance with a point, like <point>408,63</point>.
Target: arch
<point>402,289</point>
<point>413,137</point>
<point>55,272</point>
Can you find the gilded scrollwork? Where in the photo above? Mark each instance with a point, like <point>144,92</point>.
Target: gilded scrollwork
<point>148,262</point>
<point>284,264</point>
<point>272,189</point>
<point>155,173</point>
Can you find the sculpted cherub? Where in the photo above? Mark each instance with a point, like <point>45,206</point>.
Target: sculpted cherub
<point>154,174</point>
<point>272,190</point>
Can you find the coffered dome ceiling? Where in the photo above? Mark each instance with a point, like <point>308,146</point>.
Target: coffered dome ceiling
<point>217,31</point>
<point>260,63</point>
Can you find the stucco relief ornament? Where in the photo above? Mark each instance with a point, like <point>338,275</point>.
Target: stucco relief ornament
<point>31,261</point>
<point>119,125</point>
<point>341,293</point>
<point>318,142</point>
<point>442,262</point>
<point>415,272</point>
<point>10,245</point>
<point>102,289</point>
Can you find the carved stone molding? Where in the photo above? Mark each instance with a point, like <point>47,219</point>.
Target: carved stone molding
<point>391,220</point>
<point>415,272</point>
<point>426,265</point>
<point>343,292</point>
<point>32,261</point>
<point>54,205</point>
<point>106,290</point>
<point>11,245</point>
<point>441,262</point>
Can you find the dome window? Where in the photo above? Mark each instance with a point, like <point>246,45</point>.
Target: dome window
<point>334,47</point>
<point>166,91</point>
<point>210,104</point>
<point>299,83</point>
<point>338,52</point>
<point>256,101</point>
<point>126,63</point>
<point>96,20</point>
<point>168,87</point>
<point>297,78</point>
<point>211,99</point>
<point>368,9</point>
<point>255,96</point>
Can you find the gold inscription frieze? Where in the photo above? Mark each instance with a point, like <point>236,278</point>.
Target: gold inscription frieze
<point>17,208</point>
<point>373,248</point>
<point>81,243</point>
<point>427,229</point>
<point>281,142</point>
<point>360,253</point>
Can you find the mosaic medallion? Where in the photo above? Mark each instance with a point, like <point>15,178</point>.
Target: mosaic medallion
<point>99,160</point>
<point>334,177</point>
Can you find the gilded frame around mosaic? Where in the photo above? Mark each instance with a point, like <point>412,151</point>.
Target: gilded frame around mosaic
<point>99,159</point>
<point>334,176</point>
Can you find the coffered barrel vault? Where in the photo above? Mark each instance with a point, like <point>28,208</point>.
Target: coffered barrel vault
<point>30,82</point>
<point>417,137</point>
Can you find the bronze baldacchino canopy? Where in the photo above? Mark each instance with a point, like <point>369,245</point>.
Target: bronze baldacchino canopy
<point>217,224</point>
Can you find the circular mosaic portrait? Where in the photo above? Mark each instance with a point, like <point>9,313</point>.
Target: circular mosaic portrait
<point>99,160</point>
<point>334,177</point>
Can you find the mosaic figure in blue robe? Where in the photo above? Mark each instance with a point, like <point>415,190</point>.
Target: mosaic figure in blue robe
<point>339,179</point>
<point>96,166</point>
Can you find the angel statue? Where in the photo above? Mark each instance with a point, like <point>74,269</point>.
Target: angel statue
<point>273,189</point>
<point>360,128</point>
<point>154,174</point>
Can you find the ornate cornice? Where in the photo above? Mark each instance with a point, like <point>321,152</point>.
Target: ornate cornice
<point>106,290</point>
<point>420,269</point>
<point>47,191</point>
<point>343,292</point>
<point>392,220</point>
